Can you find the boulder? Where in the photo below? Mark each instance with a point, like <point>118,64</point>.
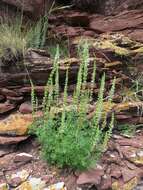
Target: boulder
<point>23,157</point>
<point>25,108</point>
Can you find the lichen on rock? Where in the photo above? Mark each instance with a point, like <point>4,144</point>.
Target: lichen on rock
<point>15,125</point>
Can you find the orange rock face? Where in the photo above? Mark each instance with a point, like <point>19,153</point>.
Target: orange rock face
<point>15,125</point>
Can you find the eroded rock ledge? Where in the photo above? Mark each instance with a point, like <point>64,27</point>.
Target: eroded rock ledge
<point>120,16</point>
<point>116,55</point>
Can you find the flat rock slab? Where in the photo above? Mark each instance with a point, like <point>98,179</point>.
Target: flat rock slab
<point>129,22</point>
<point>72,23</point>
<point>6,140</point>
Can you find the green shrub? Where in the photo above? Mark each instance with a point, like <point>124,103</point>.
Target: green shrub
<point>18,38</point>
<point>69,138</point>
<point>128,130</point>
<point>12,38</point>
<point>36,35</point>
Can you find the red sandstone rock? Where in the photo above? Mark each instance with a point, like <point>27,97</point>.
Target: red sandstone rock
<point>23,157</point>
<point>25,108</point>
<point>115,171</point>
<point>90,177</point>
<point>5,150</point>
<point>124,21</point>
<point>68,31</point>
<point>5,140</point>
<point>15,182</point>
<point>78,19</point>
<point>130,142</point>
<point>6,107</point>
<point>28,89</point>
<point>89,33</point>
<point>111,157</point>
<point>15,100</point>
<point>128,174</point>
<point>8,92</point>
<point>130,165</point>
<point>108,7</point>
<point>106,182</point>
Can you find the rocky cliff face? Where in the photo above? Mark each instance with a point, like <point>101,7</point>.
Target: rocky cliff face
<point>33,7</point>
<point>106,7</point>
